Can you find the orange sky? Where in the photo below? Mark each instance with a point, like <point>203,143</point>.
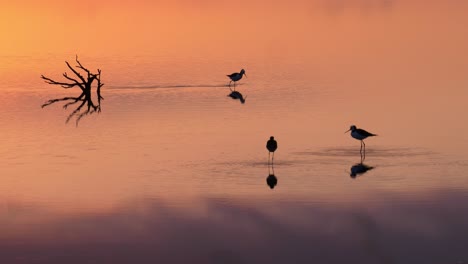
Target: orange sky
<point>184,26</point>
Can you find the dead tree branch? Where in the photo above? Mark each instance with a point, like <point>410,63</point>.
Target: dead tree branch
<point>85,84</point>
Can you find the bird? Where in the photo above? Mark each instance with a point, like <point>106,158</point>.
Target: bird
<point>236,77</point>
<point>271,145</point>
<point>360,134</point>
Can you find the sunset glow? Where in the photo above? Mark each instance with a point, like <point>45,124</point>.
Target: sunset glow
<point>173,164</point>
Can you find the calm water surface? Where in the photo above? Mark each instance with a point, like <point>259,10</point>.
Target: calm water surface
<point>174,171</point>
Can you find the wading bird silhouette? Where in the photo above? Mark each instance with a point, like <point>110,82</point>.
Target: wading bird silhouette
<point>236,77</point>
<point>360,134</point>
<point>271,145</point>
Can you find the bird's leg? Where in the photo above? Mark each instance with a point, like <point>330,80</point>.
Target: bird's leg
<point>360,151</point>
<point>272,158</point>
<point>364,149</point>
<point>268,159</point>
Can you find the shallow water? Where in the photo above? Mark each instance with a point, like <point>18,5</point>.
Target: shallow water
<point>174,171</point>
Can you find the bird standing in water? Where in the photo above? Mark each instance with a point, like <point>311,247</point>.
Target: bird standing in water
<point>360,134</point>
<point>271,146</point>
<point>236,77</point>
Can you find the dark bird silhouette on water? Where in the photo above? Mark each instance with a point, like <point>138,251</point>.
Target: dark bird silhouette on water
<point>236,77</point>
<point>271,146</point>
<point>359,169</point>
<point>360,134</point>
<point>237,95</point>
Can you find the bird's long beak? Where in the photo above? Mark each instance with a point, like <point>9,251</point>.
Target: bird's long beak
<point>347,130</point>
<point>245,74</point>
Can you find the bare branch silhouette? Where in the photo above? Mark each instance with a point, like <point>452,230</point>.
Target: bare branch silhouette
<point>85,84</point>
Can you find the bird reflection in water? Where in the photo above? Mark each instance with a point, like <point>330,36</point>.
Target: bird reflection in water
<point>237,96</point>
<point>271,180</point>
<point>359,168</point>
